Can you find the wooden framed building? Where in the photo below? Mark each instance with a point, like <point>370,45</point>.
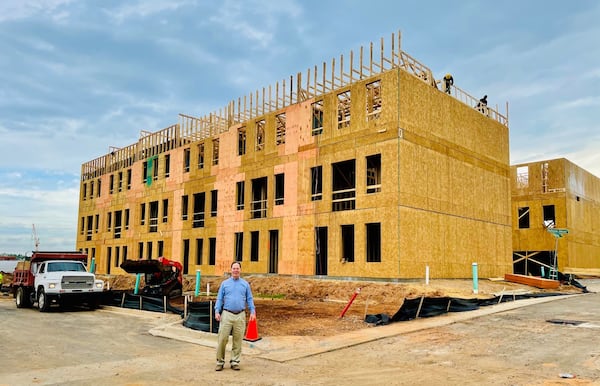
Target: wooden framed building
<point>363,168</point>
<point>555,193</point>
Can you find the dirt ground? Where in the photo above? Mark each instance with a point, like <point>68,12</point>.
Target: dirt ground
<point>312,307</point>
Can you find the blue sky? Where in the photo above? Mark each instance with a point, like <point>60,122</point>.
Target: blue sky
<point>79,76</point>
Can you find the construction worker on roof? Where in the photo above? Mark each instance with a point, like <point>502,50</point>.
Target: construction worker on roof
<point>448,82</point>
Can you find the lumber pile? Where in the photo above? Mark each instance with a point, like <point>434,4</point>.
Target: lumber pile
<point>533,281</point>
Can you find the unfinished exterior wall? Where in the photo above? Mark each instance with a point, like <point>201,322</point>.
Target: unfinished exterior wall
<point>374,173</point>
<point>558,191</point>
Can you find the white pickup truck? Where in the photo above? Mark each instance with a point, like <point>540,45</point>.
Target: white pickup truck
<point>55,278</point>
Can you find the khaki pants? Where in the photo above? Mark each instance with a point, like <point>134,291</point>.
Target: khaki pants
<point>231,322</point>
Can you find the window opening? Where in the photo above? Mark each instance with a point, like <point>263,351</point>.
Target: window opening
<point>343,111</point>
<point>522,176</point>
<point>279,188</point>
<point>167,165</point>
<point>186,256</point>
<point>90,226</point>
<point>153,216</point>
<point>215,151</point>
<point>316,183</point>
<point>128,179</point>
<point>260,134</point>
<point>549,216</point>
<point>213,202</point>
<point>118,223</point>
<point>242,140</point>
<point>348,243</point>
<point>165,212</point>
<point>373,100</point>
<point>149,250</point>
<point>117,256</point>
<point>142,213</point>
<point>212,250</point>
<point>523,217</point>
<point>161,247</point>
<point>317,117</point>
<point>239,246</point>
<point>140,250</point>
<point>97,221</point>
<point>374,173</point>
<point>198,221</point>
<point>111,183</point>
<point>343,186</point>
<point>186,160</point>
<point>184,207</point>
<point>240,195</point>
<point>154,163</point>
<point>254,239</point>
<point>109,222</point>
<point>99,188</point>
<point>259,198</point>
<point>126,219</point>
<point>201,156</point>
<point>374,243</point>
<point>91,189</point>
<point>280,128</point>
<point>120,182</point>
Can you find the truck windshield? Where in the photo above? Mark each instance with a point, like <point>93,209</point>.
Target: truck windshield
<point>66,266</point>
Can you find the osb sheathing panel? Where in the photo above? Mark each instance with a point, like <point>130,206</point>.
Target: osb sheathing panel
<point>575,193</point>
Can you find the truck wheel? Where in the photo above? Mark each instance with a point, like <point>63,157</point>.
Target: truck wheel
<point>22,298</point>
<point>43,302</point>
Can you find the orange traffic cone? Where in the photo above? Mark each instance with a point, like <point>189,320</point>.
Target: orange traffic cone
<point>252,331</point>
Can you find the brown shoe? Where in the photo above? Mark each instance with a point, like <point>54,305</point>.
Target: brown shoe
<point>235,367</point>
<point>219,368</point>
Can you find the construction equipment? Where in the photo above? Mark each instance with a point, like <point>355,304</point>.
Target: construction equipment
<point>162,277</point>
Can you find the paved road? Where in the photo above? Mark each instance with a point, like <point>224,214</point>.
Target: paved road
<point>516,347</point>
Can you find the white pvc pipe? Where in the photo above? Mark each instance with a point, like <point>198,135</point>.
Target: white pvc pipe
<point>426,275</point>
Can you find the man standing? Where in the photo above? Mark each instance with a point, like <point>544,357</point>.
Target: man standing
<point>230,311</point>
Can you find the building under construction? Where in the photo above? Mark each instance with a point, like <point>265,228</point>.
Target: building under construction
<point>556,212</point>
<point>366,167</point>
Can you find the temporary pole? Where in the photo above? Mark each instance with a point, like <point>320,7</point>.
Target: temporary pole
<point>350,302</point>
<point>197,282</point>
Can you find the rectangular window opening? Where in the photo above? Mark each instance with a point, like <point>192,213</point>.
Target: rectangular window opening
<point>215,160</point>
<point>373,243</point>
<point>199,203</point>
<point>212,250</point>
<point>239,246</point>
<point>348,243</point>
<point>317,117</point>
<point>153,217</point>
<point>186,160</point>
<point>259,198</point>
<point>343,110</point>
<point>254,245</point>
<point>373,100</point>
<point>280,129</point>
<point>279,188</point>
<point>260,134</point>
<point>201,156</point>
<point>524,217</point>
<point>316,183</point>
<point>239,195</point>
<point>165,211</point>
<point>242,141</point>
<point>343,186</point>
<point>199,247</point>
<point>184,208</point>
<point>214,194</point>
<point>374,173</point>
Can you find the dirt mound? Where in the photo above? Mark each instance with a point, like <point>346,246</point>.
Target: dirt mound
<point>312,307</point>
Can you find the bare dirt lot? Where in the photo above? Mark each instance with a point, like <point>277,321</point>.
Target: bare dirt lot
<point>312,307</point>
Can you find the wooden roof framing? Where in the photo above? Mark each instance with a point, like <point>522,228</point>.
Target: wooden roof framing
<point>318,82</point>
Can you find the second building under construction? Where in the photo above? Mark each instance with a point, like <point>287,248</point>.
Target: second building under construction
<point>362,168</point>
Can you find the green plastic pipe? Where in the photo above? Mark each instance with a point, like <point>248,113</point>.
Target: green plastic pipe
<point>93,264</point>
<point>137,284</point>
<point>475,279</point>
<point>197,282</point>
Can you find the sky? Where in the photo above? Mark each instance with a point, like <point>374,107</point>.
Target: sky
<point>77,77</point>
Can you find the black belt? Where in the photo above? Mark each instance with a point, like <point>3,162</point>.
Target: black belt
<point>233,312</point>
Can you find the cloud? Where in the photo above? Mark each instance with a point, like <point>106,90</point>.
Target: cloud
<point>23,9</point>
<point>143,9</point>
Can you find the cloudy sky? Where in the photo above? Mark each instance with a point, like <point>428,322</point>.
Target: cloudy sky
<point>79,76</point>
